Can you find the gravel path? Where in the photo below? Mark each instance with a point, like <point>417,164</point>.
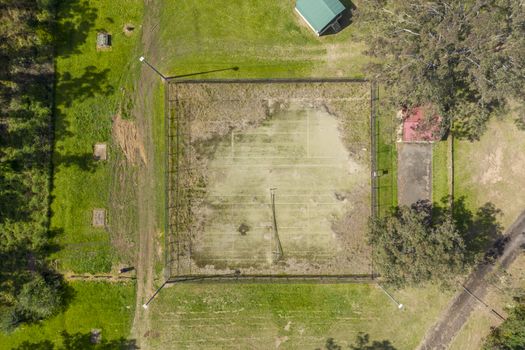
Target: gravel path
<point>148,226</point>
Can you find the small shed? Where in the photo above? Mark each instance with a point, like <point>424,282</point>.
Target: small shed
<point>421,125</point>
<point>320,15</point>
<point>103,40</point>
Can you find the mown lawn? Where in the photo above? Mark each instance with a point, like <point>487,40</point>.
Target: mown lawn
<point>256,316</point>
<point>90,85</point>
<point>264,39</point>
<point>439,171</point>
<point>94,305</point>
<point>386,125</point>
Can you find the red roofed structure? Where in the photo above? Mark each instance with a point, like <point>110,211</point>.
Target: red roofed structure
<point>419,128</point>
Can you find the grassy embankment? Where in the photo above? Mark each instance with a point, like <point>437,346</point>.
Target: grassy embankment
<point>269,40</point>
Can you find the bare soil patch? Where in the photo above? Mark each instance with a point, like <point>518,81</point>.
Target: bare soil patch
<point>126,134</point>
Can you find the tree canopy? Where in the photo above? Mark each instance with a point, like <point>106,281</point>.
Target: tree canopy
<point>411,247</point>
<point>510,335</point>
<point>29,290</point>
<point>465,58</point>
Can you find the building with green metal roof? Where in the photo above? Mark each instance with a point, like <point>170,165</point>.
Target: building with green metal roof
<point>320,15</point>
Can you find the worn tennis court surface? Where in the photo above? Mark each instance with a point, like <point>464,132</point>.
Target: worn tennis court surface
<point>236,144</point>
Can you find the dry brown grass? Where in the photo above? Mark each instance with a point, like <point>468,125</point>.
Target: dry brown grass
<point>502,288</point>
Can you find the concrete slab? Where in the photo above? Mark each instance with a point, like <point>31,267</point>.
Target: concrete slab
<point>100,151</point>
<point>414,172</point>
<point>99,217</point>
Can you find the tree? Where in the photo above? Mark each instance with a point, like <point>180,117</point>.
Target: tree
<point>465,58</point>
<point>9,319</point>
<point>26,91</point>
<point>410,246</point>
<point>39,299</point>
<point>510,335</point>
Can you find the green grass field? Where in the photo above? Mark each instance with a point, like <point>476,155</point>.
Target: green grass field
<point>293,316</point>
<point>489,170</point>
<point>267,40</point>
<point>262,38</point>
<point>386,155</point>
<point>90,86</point>
<point>95,305</point>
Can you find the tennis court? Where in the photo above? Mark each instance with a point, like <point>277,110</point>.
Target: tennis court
<point>315,162</point>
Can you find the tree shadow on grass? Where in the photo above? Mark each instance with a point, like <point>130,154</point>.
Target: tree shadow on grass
<point>77,19</point>
<point>91,83</point>
<point>481,230</point>
<point>27,106</point>
<point>84,162</point>
<point>362,342</point>
<point>79,341</point>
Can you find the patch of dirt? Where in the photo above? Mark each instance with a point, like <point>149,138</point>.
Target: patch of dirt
<point>122,209</point>
<point>151,334</point>
<point>128,29</point>
<point>126,134</point>
<point>518,165</point>
<point>279,341</point>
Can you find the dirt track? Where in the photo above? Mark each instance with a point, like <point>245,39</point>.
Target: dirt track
<point>443,332</point>
<point>143,111</point>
